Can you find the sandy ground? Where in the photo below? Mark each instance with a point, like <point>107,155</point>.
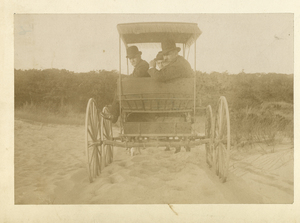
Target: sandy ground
<point>50,168</point>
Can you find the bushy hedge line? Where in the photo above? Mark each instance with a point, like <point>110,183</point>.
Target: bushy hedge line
<point>245,90</point>
<point>260,105</point>
<point>54,88</point>
<point>63,87</point>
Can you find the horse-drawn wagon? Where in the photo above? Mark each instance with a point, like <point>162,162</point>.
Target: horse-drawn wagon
<point>147,96</point>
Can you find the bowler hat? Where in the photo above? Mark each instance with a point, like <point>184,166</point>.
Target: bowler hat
<point>159,56</point>
<point>132,51</point>
<point>168,45</point>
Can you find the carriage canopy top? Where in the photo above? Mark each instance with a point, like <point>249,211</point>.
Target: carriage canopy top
<point>155,32</point>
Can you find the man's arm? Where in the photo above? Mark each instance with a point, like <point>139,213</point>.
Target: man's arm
<point>169,72</point>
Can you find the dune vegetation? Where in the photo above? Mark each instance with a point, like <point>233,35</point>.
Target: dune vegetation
<point>261,105</point>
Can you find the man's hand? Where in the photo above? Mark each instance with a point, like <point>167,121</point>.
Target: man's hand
<point>152,64</point>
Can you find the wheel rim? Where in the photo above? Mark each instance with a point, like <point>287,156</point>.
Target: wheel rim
<point>208,135</point>
<point>92,140</point>
<point>106,134</point>
<point>222,139</point>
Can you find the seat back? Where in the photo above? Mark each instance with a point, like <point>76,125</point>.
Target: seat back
<point>147,95</point>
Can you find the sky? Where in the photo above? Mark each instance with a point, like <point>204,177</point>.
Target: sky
<point>84,42</point>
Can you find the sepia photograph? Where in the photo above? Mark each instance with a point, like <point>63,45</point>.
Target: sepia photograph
<point>154,108</point>
<point>149,111</point>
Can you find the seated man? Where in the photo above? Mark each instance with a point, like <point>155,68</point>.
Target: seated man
<point>140,70</point>
<point>175,65</point>
<point>172,67</point>
<point>140,66</point>
<point>159,60</point>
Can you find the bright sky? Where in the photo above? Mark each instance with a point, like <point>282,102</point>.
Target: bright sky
<point>85,42</point>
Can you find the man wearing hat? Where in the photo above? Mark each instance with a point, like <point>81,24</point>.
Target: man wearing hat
<point>173,66</point>
<point>140,70</point>
<point>176,67</point>
<point>140,66</point>
<point>159,60</point>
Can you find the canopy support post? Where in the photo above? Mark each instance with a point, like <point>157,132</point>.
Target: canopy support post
<point>195,79</point>
<point>120,84</point>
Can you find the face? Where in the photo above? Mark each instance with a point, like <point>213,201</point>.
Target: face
<point>134,61</point>
<point>170,56</point>
<point>159,63</point>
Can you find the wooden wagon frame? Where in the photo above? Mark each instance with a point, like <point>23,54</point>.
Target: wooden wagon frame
<point>147,96</point>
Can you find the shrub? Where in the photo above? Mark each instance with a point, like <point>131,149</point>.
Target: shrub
<point>262,124</point>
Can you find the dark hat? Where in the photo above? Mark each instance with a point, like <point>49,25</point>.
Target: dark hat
<point>168,45</point>
<point>132,51</point>
<point>159,56</point>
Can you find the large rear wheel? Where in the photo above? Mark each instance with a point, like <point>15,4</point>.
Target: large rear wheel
<point>209,135</point>
<point>106,134</point>
<point>222,139</point>
<point>93,140</point>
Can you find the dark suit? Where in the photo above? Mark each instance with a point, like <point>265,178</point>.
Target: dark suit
<point>141,69</point>
<point>177,68</point>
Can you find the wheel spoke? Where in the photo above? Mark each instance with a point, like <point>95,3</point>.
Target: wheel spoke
<point>91,135</point>
<point>93,121</point>
<point>90,144</point>
<point>224,126</point>
<point>97,166</point>
<point>106,134</point>
<point>94,130</point>
<point>91,130</point>
<point>220,115</point>
<point>92,155</point>
<point>224,163</point>
<point>208,135</point>
<point>90,118</point>
<point>221,149</point>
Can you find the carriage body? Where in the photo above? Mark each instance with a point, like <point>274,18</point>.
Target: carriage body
<point>144,96</point>
<point>153,100</point>
<point>157,99</point>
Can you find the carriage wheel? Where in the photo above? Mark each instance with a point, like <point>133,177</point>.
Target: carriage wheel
<point>222,139</point>
<point>106,134</point>
<point>92,140</point>
<point>209,135</point>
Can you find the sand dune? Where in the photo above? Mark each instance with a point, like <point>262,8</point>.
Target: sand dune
<point>50,168</point>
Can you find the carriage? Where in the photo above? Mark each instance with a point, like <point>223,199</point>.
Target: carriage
<point>147,96</point>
